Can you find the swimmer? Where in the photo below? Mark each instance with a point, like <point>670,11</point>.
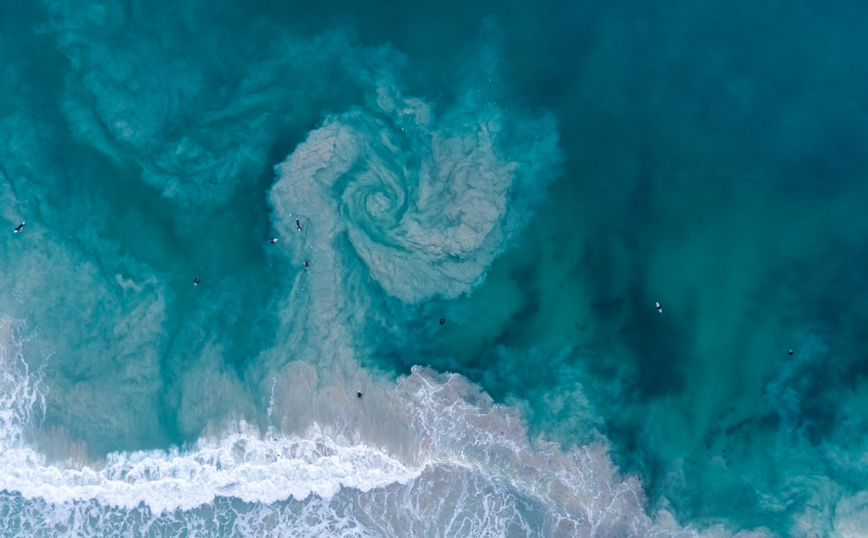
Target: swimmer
<point>196,281</point>
<point>306,263</point>
<point>18,229</point>
<point>659,308</point>
<point>297,225</point>
<point>273,240</point>
<point>359,393</point>
<point>790,352</point>
<point>442,321</point>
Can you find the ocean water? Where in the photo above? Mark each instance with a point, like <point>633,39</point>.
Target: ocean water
<point>534,174</point>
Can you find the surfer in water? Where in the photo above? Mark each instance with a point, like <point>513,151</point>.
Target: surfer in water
<point>273,240</point>
<point>19,228</point>
<point>659,308</point>
<point>297,225</point>
<point>359,393</point>
<point>196,281</point>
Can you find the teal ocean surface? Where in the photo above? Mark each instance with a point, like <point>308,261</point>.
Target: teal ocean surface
<point>477,207</point>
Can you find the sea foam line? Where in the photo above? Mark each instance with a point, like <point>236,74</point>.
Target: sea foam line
<point>241,465</point>
<point>465,443</point>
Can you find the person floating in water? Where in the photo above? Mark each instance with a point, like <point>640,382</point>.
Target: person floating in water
<point>659,308</point>
<point>297,225</point>
<point>196,281</point>
<point>18,229</point>
<point>442,321</point>
<point>273,240</point>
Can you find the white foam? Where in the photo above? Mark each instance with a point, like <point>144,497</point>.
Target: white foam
<point>474,472</point>
<point>241,463</point>
<point>851,515</point>
<point>475,454</point>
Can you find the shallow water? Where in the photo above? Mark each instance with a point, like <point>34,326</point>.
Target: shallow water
<point>536,175</point>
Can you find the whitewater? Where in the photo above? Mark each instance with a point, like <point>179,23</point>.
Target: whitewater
<point>472,472</point>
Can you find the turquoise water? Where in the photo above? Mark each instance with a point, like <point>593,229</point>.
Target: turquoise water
<point>537,175</point>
